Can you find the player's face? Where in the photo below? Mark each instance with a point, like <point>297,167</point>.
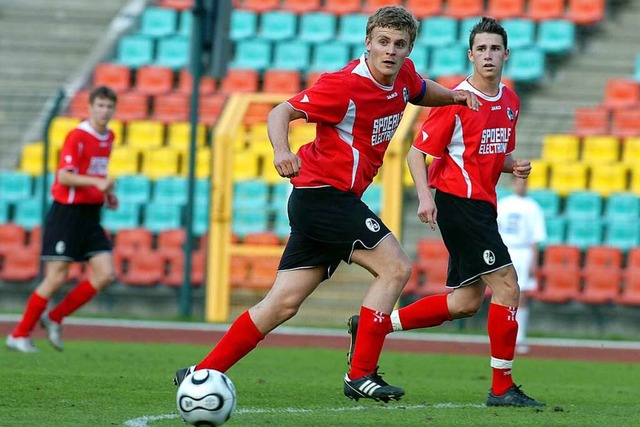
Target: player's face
<point>387,48</point>
<point>488,56</point>
<point>101,111</point>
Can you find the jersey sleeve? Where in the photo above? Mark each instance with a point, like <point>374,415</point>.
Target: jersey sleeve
<point>436,132</point>
<point>69,155</point>
<point>511,144</point>
<point>324,102</point>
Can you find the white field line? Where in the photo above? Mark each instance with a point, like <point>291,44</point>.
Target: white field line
<point>148,420</point>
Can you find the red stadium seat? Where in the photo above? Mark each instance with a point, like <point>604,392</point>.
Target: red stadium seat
<point>424,8</point>
<point>143,269</point>
<point>631,291</point>
<point>565,256</point>
<point>602,257</point>
<point>591,121</point>
<point>208,84</point>
<point>505,9</point>
<point>239,271</point>
<point>370,6</point>
<point>133,239</point>
<point>116,76</point>
<point>132,106</point>
<point>461,9</point>
<point>586,12</point>
<point>312,77</point>
<point>281,81</point>
<point>260,6</point>
<point>210,108</point>
<point>268,238</point>
<point>435,277</point>
<point>450,80</point>
<point>154,80</point>
<point>172,107</point>
<point>20,265</point>
<point>559,285</point>
<point>175,269</point>
<point>256,113</point>
<point>601,285</point>
<point>301,6</point>
<point>238,80</point>
<point>540,10</point>
<point>176,4</point>
<point>621,93</point>
<point>626,122</point>
<point>12,236</point>
<point>262,272</point>
<point>411,288</point>
<point>34,241</point>
<point>342,7</point>
<point>79,104</point>
<point>172,239</point>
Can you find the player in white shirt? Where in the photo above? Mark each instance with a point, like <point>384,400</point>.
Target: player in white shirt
<point>522,227</point>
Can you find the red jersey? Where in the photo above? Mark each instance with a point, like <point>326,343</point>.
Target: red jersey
<point>355,118</point>
<point>85,152</point>
<point>469,147</point>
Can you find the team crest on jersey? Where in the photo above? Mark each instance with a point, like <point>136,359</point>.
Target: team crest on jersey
<point>489,257</point>
<point>405,94</point>
<point>372,224</point>
<point>510,114</point>
<point>60,247</point>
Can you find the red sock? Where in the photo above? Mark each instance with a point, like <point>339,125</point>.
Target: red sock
<point>242,337</point>
<point>503,329</point>
<point>79,296</point>
<point>36,305</point>
<point>424,313</point>
<point>372,330</point>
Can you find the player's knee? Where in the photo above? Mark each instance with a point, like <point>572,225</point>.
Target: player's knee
<point>399,271</point>
<point>104,279</point>
<point>465,308</point>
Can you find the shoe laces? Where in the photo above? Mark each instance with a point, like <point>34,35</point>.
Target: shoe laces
<point>522,394</point>
<point>377,376</point>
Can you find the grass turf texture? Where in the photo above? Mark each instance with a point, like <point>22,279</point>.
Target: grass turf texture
<point>115,384</point>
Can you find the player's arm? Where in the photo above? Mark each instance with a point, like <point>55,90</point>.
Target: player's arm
<point>427,211</point>
<point>437,95</point>
<point>286,163</point>
<point>519,168</point>
<point>72,179</point>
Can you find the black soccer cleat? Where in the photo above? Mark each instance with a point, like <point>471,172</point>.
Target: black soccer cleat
<point>352,329</point>
<point>513,397</point>
<point>183,373</point>
<point>371,387</point>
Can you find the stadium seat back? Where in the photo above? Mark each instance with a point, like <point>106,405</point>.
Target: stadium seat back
<point>278,25</point>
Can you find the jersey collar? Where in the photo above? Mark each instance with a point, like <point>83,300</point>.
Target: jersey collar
<point>86,126</point>
<point>362,69</point>
<point>465,85</point>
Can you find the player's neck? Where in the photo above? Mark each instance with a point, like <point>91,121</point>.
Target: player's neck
<point>97,127</point>
<point>486,86</point>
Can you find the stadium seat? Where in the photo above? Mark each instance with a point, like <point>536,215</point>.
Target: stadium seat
<point>179,135</point>
<point>135,50</point>
<point>126,216</point>
<point>540,10</point>
<point>260,6</point>
<point>634,180</point>
<point>606,179</point>
<point>37,186</point>
<point>352,28</point>
<point>370,6</point>
<point>145,134</point>
<point>257,112</point>
<point>200,225</point>
<point>622,206</point>
<point>239,271</point>
<point>4,212</point>
<point>630,294</point>
<point>342,7</point>
<point>464,31</point>
<point>28,213</point>
<point>239,80</point>
<point>147,270</point>
<point>162,216</point>
<point>123,161</point>
<point>170,190</point>
<point>132,106</point>
<point>600,286</point>
<point>176,4</point>
<point>564,256</point>
<point>278,25</point>
<point>586,12</point>
<point>19,265</point>
<point>556,36</point>
<point>621,93</point>
<point>548,200</point>
<point>171,107</point>
<point>185,23</point>
<point>172,240</point>
<point>262,272</point>
<point>599,149</point>
<point>15,186</point>
<point>422,9</point>
<point>521,32</point>
<point>243,25</point>
<point>332,57</point>
<point>12,236</point>
<point>245,165</point>
<point>301,6</point>
<point>432,261</point>
<point>584,232</point>
<point>160,162</point>
<point>291,55</point>
<point>312,77</point>
<point>208,85</point>
<point>175,269</point>
<point>317,27</point>
<point>539,176</point>
<point>556,231</point>
<point>202,164</point>
<point>505,9</point>
<point>602,257</point>
<point>372,197</point>
<point>280,196</point>
<point>526,65</point>
<point>158,22</point>
<point>202,192</point>
<point>265,238</point>
<point>438,31</point>
<point>625,122</point>
<point>210,107</point>
<point>173,52</point>
<point>60,128</point>
<point>79,104</point>
<point>461,9</point>
<point>133,189</point>
<point>154,80</point>
<point>583,205</point>
<point>622,233</point>
<point>420,57</point>
<point>448,60</point>
<point>631,150</point>
<point>568,177</point>
<point>281,81</point>
<point>133,240</point>
<point>117,127</point>
<point>591,121</point>
<point>560,147</point>
<point>116,76</point>
<point>247,221</point>
<point>559,286</point>
<point>250,194</point>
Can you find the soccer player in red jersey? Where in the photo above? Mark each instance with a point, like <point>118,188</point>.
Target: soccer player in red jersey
<point>356,111</point>
<point>72,230</point>
<point>471,150</point>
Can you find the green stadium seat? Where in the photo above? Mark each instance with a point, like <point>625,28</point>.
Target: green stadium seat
<point>622,233</point>
<point>330,57</point>
<point>249,221</point>
<point>372,197</point>
<point>158,22</point>
<point>583,205</point>
<point>438,31</point>
<point>185,26</point>
<point>135,51</point>
<point>250,194</point>
<point>447,60</point>
<point>352,29</point>
<point>28,213</point>
<point>291,55</point>
<point>464,30</point>
<point>160,216</point>
<point>15,186</point>
<point>584,233</point>
<point>420,57</point>
<point>171,190</point>
<point>318,27</point>
<point>556,231</point>
<point>127,215</point>
<point>252,54</point>
<point>521,32</point>
<point>548,200</point>
<point>277,25</point>
<point>173,52</point>
<point>526,65</point>
<point>133,189</point>
<point>622,206</point>
<point>556,36</point>
<point>244,24</point>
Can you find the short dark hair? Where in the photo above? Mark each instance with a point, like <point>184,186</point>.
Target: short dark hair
<point>396,17</point>
<point>103,92</point>
<point>487,25</point>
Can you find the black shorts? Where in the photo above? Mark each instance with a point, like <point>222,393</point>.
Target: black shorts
<point>470,232</point>
<point>327,225</point>
<point>73,233</point>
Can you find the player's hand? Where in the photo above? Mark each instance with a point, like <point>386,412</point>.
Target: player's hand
<point>467,98</point>
<point>112,200</point>
<point>428,213</point>
<point>287,164</point>
<point>522,168</point>
<point>105,184</point>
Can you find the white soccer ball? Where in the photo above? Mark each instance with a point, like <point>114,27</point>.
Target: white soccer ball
<point>206,398</point>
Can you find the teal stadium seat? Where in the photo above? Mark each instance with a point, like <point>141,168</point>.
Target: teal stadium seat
<point>583,205</point>
<point>185,26</point>
<point>420,57</point>
<point>278,25</point>
<point>330,57</point>
<point>438,31</point>
<point>4,212</point>
<point>15,186</point>
<point>280,196</point>
<point>171,190</point>
<point>373,198</point>
<point>549,201</point>
<point>244,25</point>
<point>252,54</point>
<point>526,65</point>
<point>252,194</point>
<point>352,29</point>
<point>281,226</point>
<point>556,36</point>
<point>162,216</point>
<point>249,221</point>
<point>127,215</point>
<point>584,233</point>
<point>521,32</point>
<point>28,213</point>
<point>133,189</point>
<point>200,221</point>
<point>503,191</point>
<point>158,22</point>
<point>623,234</point>
<point>202,192</point>
<point>291,55</point>
<point>448,60</point>
<point>318,27</point>
<point>135,51</point>
<point>622,206</point>
<point>37,186</point>
<point>465,29</point>
<point>556,231</point>
<point>173,52</point>
<point>636,73</point>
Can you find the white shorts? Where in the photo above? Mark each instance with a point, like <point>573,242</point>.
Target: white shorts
<point>521,259</point>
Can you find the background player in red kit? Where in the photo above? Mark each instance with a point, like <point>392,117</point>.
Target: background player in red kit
<point>471,149</point>
<point>72,230</point>
<point>356,111</point>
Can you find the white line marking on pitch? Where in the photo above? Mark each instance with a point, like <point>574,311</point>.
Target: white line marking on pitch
<point>145,421</point>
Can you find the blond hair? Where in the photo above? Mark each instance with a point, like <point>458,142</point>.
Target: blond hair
<point>395,17</point>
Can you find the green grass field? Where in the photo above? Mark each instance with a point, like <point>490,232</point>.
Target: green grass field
<point>116,384</point>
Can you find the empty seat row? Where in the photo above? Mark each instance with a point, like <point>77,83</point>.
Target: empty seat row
<point>589,149</point>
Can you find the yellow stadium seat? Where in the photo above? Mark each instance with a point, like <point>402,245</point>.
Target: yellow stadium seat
<point>160,162</point>
<point>203,163</point>
<point>634,181</point>
<point>301,134</point>
<point>117,126</point>
<point>60,127</point>
<point>560,147</point>
<point>539,177</point>
<point>600,149</point>
<point>567,177</point>
<point>608,178</point>
<point>123,161</point>
<point>32,157</point>
<point>179,135</point>
<point>245,165</point>
<point>631,151</point>
<point>145,134</point>
<point>269,172</point>
<point>258,140</point>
